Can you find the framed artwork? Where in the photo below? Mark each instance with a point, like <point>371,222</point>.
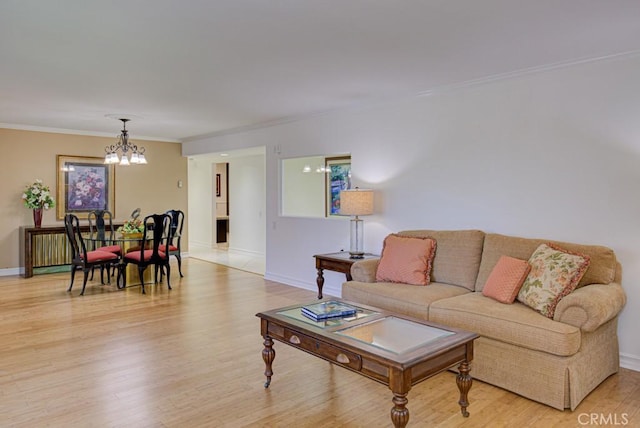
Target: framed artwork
<point>338,172</point>
<point>218,190</point>
<point>84,184</point>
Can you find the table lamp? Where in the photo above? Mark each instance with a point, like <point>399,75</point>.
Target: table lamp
<point>356,202</point>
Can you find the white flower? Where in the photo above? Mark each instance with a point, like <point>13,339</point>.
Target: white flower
<point>37,195</point>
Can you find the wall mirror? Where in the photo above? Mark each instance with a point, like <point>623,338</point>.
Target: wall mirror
<point>311,185</point>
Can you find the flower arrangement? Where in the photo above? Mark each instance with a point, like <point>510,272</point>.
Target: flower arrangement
<point>132,226</point>
<point>37,195</point>
<point>87,190</point>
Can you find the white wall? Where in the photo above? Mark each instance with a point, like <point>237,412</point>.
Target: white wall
<point>201,208</point>
<point>247,223</point>
<point>553,155</point>
<point>303,192</point>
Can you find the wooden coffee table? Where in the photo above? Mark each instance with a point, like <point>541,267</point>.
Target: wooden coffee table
<point>392,349</point>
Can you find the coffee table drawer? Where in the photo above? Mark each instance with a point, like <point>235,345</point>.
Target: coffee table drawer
<point>322,349</point>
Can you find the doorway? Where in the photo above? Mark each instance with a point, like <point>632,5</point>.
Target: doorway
<point>221,219</point>
<point>243,191</point>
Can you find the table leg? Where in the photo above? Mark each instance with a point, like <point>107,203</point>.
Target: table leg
<point>268,355</point>
<point>399,411</point>
<point>464,385</point>
<point>320,282</point>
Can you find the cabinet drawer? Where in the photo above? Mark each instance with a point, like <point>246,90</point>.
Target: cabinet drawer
<point>322,349</point>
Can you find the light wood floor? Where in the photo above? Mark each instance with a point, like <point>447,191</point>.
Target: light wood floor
<point>191,357</point>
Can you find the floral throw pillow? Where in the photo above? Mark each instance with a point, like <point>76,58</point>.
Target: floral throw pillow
<point>555,272</point>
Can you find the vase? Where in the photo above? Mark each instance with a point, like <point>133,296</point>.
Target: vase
<point>37,217</point>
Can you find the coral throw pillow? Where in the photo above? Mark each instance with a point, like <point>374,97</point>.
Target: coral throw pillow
<point>555,272</point>
<point>406,260</point>
<point>506,278</point>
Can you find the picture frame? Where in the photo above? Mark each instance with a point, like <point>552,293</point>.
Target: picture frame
<point>338,173</point>
<point>84,184</point>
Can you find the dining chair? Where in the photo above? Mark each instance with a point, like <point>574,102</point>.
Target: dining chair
<point>98,222</point>
<point>83,259</point>
<point>157,232</point>
<point>101,229</point>
<point>177,222</point>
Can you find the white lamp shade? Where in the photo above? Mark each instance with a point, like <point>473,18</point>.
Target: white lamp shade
<point>356,202</point>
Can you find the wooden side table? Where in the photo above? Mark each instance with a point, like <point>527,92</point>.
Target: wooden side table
<point>337,262</point>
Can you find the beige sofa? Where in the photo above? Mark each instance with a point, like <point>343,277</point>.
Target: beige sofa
<point>556,361</point>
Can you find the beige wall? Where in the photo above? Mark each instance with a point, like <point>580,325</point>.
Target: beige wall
<point>29,155</point>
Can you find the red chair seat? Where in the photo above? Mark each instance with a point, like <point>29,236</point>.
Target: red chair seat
<point>146,255</point>
<point>99,256</point>
<point>171,248</point>
<point>111,248</point>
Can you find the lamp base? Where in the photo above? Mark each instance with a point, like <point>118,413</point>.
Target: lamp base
<point>356,249</point>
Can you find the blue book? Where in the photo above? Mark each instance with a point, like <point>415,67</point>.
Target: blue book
<point>329,309</point>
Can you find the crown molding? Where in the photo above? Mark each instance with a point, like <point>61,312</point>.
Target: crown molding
<point>77,132</point>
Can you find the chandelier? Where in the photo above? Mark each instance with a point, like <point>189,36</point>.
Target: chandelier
<point>123,144</point>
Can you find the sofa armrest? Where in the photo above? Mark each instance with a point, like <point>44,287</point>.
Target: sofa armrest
<point>364,270</point>
<point>591,306</point>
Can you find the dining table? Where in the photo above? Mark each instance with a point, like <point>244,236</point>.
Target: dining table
<point>127,274</point>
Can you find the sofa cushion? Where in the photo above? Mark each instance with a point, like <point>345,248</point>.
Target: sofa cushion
<point>555,272</point>
<point>401,298</point>
<point>506,279</point>
<point>516,324</point>
<point>406,259</point>
<point>457,256</point>
<point>602,269</point>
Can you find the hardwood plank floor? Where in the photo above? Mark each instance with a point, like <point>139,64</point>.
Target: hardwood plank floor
<point>191,357</point>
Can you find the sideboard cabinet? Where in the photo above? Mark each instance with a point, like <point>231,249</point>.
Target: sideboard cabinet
<point>46,246</point>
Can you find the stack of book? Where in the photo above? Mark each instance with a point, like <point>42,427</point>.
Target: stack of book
<point>324,310</point>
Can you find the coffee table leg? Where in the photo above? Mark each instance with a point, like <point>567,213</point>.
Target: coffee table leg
<point>464,385</point>
<point>268,355</point>
<point>320,282</point>
<point>399,411</point>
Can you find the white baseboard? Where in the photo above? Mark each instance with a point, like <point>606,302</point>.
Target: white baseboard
<point>199,244</point>
<point>289,281</point>
<point>327,290</point>
<point>630,362</point>
<point>246,252</point>
<point>11,271</point>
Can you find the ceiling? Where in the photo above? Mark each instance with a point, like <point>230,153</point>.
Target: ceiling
<point>193,68</point>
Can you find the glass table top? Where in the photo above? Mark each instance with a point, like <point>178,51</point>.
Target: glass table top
<point>118,237</point>
<point>394,334</point>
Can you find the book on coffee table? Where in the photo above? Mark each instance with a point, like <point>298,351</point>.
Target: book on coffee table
<point>330,309</point>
